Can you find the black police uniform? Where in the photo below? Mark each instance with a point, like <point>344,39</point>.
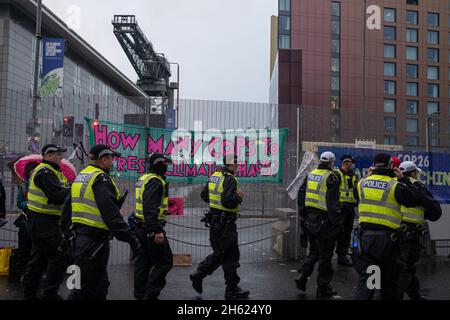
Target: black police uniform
<point>223,237</point>
<point>380,246</point>
<point>410,243</point>
<point>322,228</point>
<point>155,260</point>
<point>46,237</point>
<point>348,218</point>
<point>93,267</point>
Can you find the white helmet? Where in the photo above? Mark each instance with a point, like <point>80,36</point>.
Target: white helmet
<point>327,157</point>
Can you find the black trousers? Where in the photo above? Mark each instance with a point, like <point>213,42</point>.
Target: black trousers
<point>45,258</point>
<point>409,254</point>
<point>94,273</point>
<point>378,249</point>
<point>224,242</point>
<point>152,266</point>
<point>24,248</point>
<point>311,259</point>
<point>344,237</point>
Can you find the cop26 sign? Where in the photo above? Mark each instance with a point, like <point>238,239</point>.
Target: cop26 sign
<point>196,154</point>
<point>435,166</point>
<point>52,67</point>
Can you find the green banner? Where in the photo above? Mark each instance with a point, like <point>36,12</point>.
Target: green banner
<point>196,154</point>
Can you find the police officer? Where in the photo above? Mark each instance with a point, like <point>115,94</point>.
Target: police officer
<point>94,210</point>
<point>320,199</point>
<point>47,191</point>
<point>348,204</point>
<point>224,198</point>
<point>380,197</point>
<point>156,259</point>
<point>413,220</point>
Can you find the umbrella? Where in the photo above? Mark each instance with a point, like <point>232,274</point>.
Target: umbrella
<point>67,168</point>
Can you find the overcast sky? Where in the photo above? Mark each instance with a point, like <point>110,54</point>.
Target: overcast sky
<point>222,45</point>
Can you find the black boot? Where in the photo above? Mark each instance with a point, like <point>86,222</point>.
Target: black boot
<point>301,283</point>
<point>236,293</point>
<point>325,292</point>
<point>344,261</point>
<point>197,281</point>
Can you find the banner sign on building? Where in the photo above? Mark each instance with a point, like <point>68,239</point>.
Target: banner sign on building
<point>52,67</point>
<point>435,166</point>
<point>196,154</point>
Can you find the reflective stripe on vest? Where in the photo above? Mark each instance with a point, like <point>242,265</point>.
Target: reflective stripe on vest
<point>215,190</point>
<point>413,215</point>
<point>37,200</point>
<point>346,194</point>
<point>84,207</point>
<point>316,189</point>
<point>377,202</point>
<point>140,188</point>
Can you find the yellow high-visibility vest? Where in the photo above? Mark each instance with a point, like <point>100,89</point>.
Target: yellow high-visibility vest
<point>84,207</point>
<point>140,188</point>
<point>37,200</point>
<point>316,189</point>
<point>215,189</point>
<point>377,202</point>
<point>346,194</point>
<point>413,215</point>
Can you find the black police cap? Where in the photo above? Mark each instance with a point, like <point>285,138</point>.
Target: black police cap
<point>102,150</point>
<point>347,158</point>
<point>156,158</point>
<point>48,148</point>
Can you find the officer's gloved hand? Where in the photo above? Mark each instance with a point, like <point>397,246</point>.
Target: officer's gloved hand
<point>135,248</point>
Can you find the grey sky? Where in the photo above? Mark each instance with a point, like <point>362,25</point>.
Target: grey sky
<point>221,45</point>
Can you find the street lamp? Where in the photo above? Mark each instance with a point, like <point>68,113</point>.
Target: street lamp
<point>36,95</point>
<point>429,131</point>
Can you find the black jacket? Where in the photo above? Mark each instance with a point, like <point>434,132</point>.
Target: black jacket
<point>2,199</point>
<point>106,200</point>
<point>404,194</point>
<point>50,184</point>
<point>229,199</point>
<point>151,202</point>
<point>433,210</point>
<point>332,197</point>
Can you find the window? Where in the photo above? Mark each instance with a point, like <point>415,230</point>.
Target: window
<point>389,50</point>
<point>389,15</point>
<point>285,5</point>
<point>448,38</point>
<point>412,35</point>
<point>432,107</point>
<point>334,102</point>
<point>412,70</point>
<point>432,73</point>
<point>433,37</point>
<point>335,64</point>
<point>389,33</point>
<point>334,27</point>
<point>412,17</point>
<point>389,105</point>
<point>389,139</point>
<point>285,41</point>
<point>412,107</point>
<point>284,23</point>
<point>411,125</point>
<point>435,142</point>
<point>433,54</point>
<point>412,53</point>
<point>389,87</point>
<point>335,9</point>
<point>335,83</point>
<point>435,126</point>
<point>412,2</point>
<point>389,124</point>
<point>449,78</point>
<point>411,141</point>
<point>433,19</point>
<point>411,89</point>
<point>433,90</point>
<point>335,46</point>
<point>389,69</point>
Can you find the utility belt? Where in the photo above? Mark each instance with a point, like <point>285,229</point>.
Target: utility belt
<point>95,233</point>
<point>214,216</point>
<point>411,230</point>
<point>32,215</point>
<point>392,234</point>
<point>140,223</point>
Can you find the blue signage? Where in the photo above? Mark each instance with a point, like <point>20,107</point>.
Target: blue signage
<point>52,67</point>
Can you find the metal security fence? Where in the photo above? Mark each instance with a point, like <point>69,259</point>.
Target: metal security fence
<point>268,227</point>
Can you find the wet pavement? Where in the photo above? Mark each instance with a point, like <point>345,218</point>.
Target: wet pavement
<point>266,281</point>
